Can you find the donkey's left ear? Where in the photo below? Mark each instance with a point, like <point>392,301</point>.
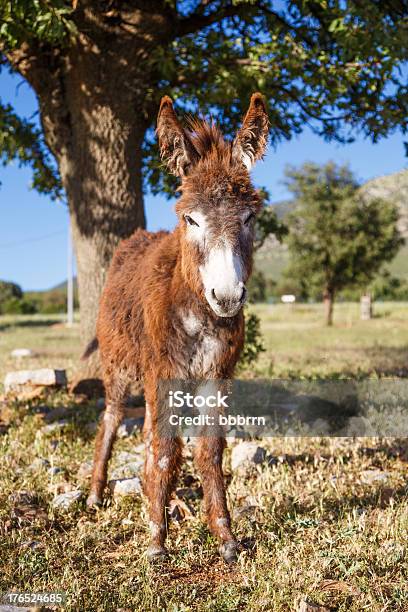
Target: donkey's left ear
<point>251,140</point>
<point>176,148</point>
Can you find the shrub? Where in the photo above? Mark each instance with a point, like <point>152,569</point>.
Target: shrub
<point>9,291</point>
<point>18,306</point>
<point>257,287</point>
<point>253,345</point>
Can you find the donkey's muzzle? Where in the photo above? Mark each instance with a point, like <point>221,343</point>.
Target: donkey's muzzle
<point>227,304</point>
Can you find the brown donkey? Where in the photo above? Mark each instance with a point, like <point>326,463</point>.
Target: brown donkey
<point>172,306</point>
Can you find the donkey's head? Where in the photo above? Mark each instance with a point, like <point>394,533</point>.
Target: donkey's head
<point>219,204</point>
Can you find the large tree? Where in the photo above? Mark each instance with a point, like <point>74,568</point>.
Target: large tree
<point>338,237</point>
<point>99,67</point>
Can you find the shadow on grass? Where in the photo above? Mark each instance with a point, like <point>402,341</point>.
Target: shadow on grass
<point>389,361</point>
<point>29,323</point>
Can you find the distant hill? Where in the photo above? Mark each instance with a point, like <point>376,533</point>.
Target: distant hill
<point>63,286</point>
<point>273,257</point>
<point>52,300</point>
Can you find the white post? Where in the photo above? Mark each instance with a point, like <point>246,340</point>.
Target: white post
<point>366,307</point>
<point>70,280</point>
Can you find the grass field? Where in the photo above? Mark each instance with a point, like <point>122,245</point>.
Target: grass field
<point>311,522</point>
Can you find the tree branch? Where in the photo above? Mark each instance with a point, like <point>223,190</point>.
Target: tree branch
<point>42,66</point>
<point>199,20</point>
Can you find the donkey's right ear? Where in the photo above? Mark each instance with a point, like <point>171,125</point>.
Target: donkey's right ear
<point>176,148</point>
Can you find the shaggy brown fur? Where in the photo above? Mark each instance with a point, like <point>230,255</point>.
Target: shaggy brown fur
<point>157,319</point>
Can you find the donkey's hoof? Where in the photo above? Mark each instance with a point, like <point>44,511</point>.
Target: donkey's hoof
<point>155,552</point>
<point>94,501</point>
<point>229,551</point>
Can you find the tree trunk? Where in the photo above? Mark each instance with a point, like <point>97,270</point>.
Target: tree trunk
<point>328,299</point>
<point>101,173</point>
<point>98,144</point>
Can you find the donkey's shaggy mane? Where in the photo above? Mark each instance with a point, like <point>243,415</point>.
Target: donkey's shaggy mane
<point>207,139</point>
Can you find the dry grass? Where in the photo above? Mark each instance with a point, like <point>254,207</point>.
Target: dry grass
<point>308,524</point>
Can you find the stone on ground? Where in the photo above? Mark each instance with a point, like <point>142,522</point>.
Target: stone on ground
<point>246,454</point>
<point>22,352</point>
<point>65,501</point>
<point>125,486</point>
<point>85,470</point>
<point>46,377</point>
<point>127,470</point>
<point>371,476</point>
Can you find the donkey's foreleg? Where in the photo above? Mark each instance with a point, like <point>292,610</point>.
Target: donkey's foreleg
<point>163,459</point>
<point>208,458</point>
<point>105,437</point>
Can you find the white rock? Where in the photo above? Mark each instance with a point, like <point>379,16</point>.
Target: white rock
<point>127,469</point>
<point>65,501</point>
<point>370,476</point>
<point>85,470</point>
<point>125,486</point>
<point>7,608</point>
<point>54,470</point>
<point>39,464</point>
<point>247,453</point>
<point>22,352</point>
<point>44,377</point>
<point>126,457</point>
<point>53,427</point>
<point>139,449</point>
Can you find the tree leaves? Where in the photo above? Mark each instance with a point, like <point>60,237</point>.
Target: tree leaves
<point>337,67</point>
<point>21,140</point>
<point>338,237</point>
<point>47,20</point>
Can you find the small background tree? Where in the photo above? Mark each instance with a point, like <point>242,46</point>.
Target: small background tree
<point>338,238</point>
<point>12,300</point>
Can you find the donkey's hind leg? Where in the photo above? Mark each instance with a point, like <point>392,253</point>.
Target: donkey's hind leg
<point>116,392</point>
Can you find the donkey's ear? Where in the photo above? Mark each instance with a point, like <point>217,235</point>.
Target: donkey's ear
<point>251,140</point>
<point>176,148</point>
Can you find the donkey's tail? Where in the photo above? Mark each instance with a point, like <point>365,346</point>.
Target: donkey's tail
<point>91,348</point>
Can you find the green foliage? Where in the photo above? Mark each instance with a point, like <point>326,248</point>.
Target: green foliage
<point>53,301</point>
<point>332,66</point>
<point>256,287</point>
<point>338,238</point>
<point>384,287</point>
<point>21,140</point>
<point>12,300</point>
<point>388,287</point>
<point>46,20</point>
<point>267,222</point>
<point>8,291</point>
<point>253,345</point>
<point>16,305</point>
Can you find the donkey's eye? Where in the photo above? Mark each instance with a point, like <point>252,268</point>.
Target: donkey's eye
<point>190,220</point>
<point>249,218</point>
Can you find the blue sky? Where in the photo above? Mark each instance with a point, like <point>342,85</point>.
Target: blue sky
<point>33,230</point>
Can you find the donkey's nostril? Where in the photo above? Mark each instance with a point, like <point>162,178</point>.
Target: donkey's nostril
<point>243,294</point>
<point>213,295</point>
